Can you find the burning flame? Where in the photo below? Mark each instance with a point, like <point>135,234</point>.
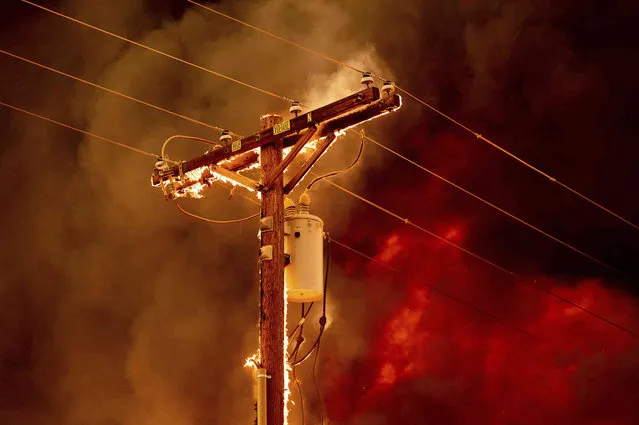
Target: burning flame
<point>287,366</point>
<point>253,361</point>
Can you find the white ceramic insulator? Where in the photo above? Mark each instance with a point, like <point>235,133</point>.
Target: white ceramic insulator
<point>304,243</point>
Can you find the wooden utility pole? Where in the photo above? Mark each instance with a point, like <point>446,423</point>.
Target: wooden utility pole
<point>321,124</point>
<point>272,325</point>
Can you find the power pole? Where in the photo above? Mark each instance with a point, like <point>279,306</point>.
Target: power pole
<point>272,324</point>
<point>187,178</point>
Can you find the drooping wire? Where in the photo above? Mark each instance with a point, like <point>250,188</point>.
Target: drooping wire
<point>179,136</point>
<point>350,167</point>
<point>159,52</point>
<point>208,220</point>
<point>429,106</point>
<point>117,93</point>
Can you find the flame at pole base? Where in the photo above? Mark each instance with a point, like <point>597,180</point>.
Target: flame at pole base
<point>287,366</point>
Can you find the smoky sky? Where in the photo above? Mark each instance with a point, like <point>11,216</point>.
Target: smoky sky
<point>114,309</point>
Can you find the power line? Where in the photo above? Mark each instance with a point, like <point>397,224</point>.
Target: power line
<point>422,229</point>
<point>208,220</point>
<point>357,196</point>
<point>352,194</point>
<point>379,263</point>
<point>361,198</point>
<point>122,145</point>
<point>490,204</point>
<point>427,105</point>
<point>117,93</point>
<point>517,158</point>
<point>375,142</point>
<point>512,274</point>
<point>159,52</point>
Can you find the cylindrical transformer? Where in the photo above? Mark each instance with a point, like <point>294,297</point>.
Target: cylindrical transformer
<point>304,243</point>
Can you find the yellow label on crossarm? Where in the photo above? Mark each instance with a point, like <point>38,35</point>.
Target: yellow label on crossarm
<point>308,117</point>
<point>281,127</point>
<point>236,145</point>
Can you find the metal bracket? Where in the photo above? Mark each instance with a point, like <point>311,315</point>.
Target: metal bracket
<point>266,253</point>
<point>266,224</point>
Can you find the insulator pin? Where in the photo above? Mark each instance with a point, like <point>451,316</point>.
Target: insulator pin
<point>388,87</point>
<point>225,137</point>
<point>367,79</point>
<point>295,108</point>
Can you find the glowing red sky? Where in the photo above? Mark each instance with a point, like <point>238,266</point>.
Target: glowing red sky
<point>433,360</point>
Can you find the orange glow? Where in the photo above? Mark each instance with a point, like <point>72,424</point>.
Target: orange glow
<point>252,361</point>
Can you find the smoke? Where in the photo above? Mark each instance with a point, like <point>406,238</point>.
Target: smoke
<point>117,310</point>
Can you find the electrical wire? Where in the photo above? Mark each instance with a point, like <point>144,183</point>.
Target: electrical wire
<point>517,158</point>
<point>422,229</point>
<point>301,322</point>
<point>334,173</point>
<point>113,142</point>
<point>405,220</point>
<point>486,202</point>
<point>319,339</point>
<point>409,94</point>
<point>375,142</point>
<point>386,266</point>
<point>429,106</point>
<point>208,220</point>
<point>117,93</point>
<point>490,204</point>
<point>159,52</point>
<point>317,388</point>
<point>179,136</point>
